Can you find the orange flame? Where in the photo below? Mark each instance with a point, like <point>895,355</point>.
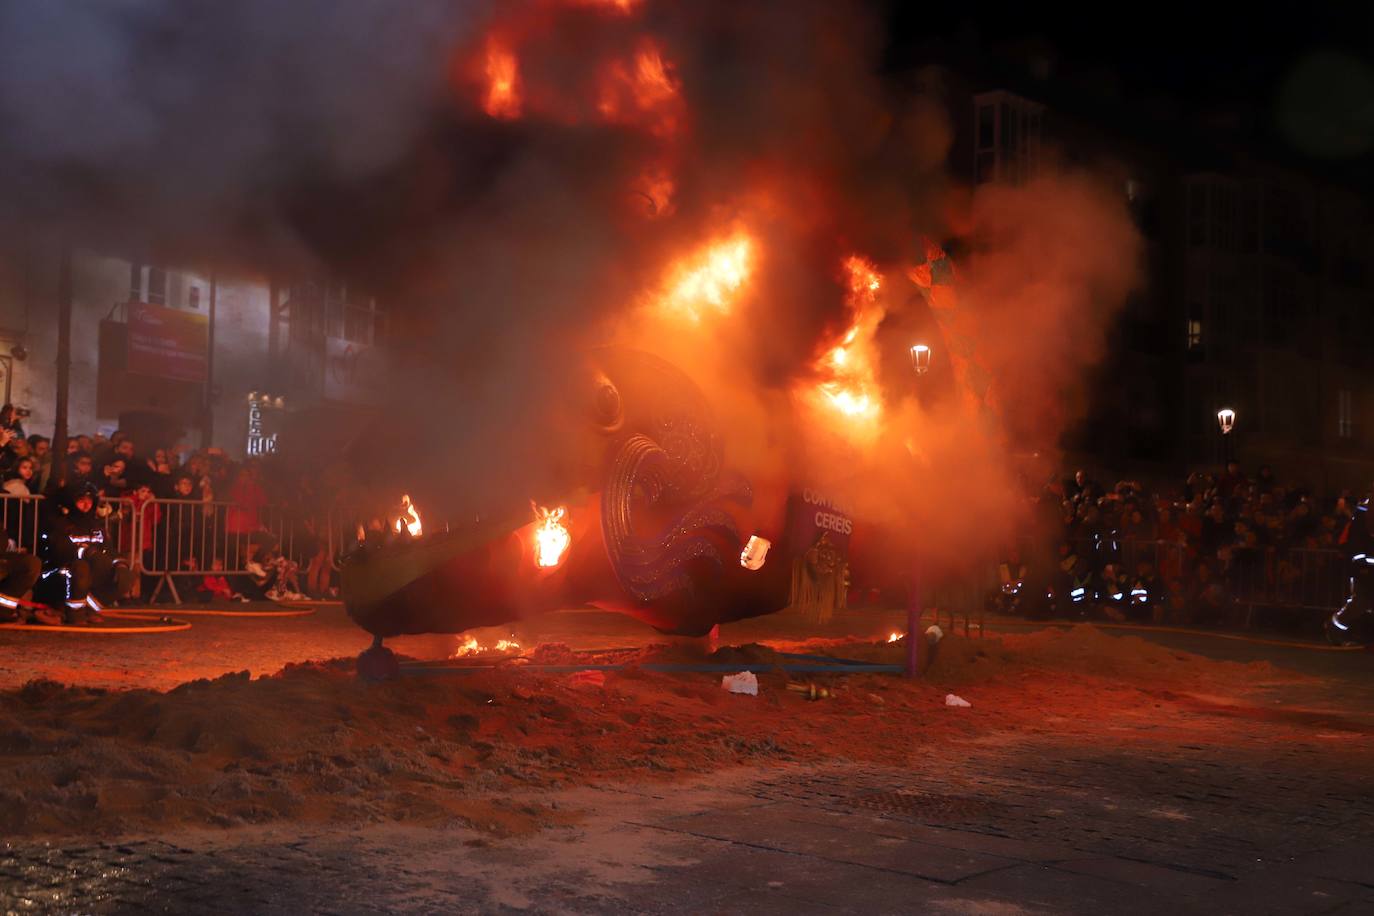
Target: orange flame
<point>471,646</point>
<point>642,91</point>
<point>710,279</point>
<point>851,387</point>
<point>894,636</point>
<point>551,537</point>
<point>410,518</point>
<point>502,97</point>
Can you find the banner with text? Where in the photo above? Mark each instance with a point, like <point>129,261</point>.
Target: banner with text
<point>814,514</point>
<point>167,343</point>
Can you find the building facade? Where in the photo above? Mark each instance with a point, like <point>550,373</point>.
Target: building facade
<point>180,356</point>
<point>1257,293</point>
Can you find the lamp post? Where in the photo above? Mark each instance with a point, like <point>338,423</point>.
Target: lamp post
<point>920,362</point>
<point>920,359</point>
<point>1226,419</point>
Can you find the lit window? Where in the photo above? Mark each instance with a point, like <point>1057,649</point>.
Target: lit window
<point>157,286</point>
<point>1194,334</point>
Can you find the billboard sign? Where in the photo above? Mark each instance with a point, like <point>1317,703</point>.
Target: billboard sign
<point>167,343</point>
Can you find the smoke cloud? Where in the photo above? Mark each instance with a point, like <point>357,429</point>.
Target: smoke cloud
<point>517,181</point>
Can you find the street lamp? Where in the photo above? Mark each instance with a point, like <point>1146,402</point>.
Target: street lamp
<point>1226,419</point>
<point>920,359</point>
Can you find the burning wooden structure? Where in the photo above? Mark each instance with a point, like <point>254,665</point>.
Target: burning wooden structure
<point>659,528</point>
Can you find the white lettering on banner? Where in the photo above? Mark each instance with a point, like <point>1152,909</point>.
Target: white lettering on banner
<point>259,442</point>
<point>836,523</point>
<point>824,502</point>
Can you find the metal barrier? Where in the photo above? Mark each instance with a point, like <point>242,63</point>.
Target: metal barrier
<point>20,516</point>
<point>1169,559</point>
<point>121,527</point>
<point>1302,578</point>
<point>1128,553</point>
<point>181,538</point>
<point>24,517</point>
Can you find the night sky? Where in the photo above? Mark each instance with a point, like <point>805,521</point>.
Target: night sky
<point>1299,76</point>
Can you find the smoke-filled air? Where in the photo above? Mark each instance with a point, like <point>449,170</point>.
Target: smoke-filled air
<point>731,186</point>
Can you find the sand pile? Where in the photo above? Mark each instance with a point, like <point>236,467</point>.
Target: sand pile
<point>313,743</point>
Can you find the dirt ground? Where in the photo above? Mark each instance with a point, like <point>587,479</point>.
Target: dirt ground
<point>314,744</point>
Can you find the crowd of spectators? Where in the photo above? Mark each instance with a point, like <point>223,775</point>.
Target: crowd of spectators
<point>1197,549</point>
<point>201,512</point>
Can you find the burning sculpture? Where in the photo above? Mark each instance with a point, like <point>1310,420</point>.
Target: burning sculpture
<point>663,530</point>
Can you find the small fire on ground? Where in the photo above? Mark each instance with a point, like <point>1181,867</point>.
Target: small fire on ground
<point>410,518</point>
<point>894,636</point>
<point>470,646</point>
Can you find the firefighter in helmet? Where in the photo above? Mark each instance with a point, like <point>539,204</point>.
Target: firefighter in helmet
<point>81,573</point>
<point>1353,624</point>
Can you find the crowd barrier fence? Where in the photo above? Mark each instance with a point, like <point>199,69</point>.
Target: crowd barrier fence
<point>23,517</point>
<point>170,539</point>
<point>1298,578</point>
<point>183,538</point>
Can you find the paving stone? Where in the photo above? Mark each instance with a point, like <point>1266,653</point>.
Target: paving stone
<point>1157,878</point>
<point>768,829</point>
<point>840,884</point>
<point>1044,888</point>
<point>1353,862</point>
<point>763,902</point>
<point>884,825</point>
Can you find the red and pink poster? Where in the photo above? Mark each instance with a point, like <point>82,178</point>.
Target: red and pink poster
<point>167,343</point>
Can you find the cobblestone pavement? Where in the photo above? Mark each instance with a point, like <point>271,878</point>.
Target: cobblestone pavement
<point>1007,828</point>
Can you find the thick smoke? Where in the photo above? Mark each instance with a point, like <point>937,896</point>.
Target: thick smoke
<point>205,131</point>
<point>350,139</point>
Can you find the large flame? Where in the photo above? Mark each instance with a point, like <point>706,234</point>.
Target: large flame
<point>551,536</point>
<point>850,384</point>
<point>710,279</point>
<point>410,518</point>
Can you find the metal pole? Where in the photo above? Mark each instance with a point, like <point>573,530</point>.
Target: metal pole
<point>64,366</point>
<point>207,423</point>
<point>273,333</point>
<point>913,624</point>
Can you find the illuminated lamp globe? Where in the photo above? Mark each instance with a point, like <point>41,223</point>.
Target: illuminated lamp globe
<point>1226,419</point>
<point>920,359</point>
<point>755,552</point>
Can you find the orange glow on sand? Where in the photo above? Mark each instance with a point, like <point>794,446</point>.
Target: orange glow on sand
<point>711,279</point>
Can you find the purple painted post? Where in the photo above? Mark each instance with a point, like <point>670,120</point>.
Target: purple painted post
<point>913,626</point>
